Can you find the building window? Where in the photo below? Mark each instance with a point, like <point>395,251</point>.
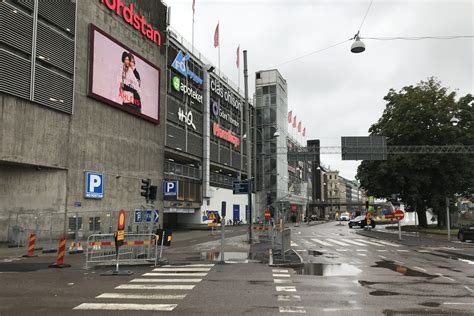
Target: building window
<point>73,223</point>
<point>94,223</point>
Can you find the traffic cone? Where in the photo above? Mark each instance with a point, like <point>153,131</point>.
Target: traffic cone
<point>60,257</point>
<point>31,246</point>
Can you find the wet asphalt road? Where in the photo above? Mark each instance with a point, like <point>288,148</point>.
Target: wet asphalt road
<point>345,274</point>
<point>356,275</point>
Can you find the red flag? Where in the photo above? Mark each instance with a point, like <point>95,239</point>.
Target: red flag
<point>290,117</point>
<point>194,3</point>
<point>237,62</point>
<point>216,36</point>
<point>299,127</point>
<point>304,132</point>
<point>294,121</point>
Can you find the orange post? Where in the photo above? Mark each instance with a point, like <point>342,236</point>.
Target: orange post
<point>31,246</point>
<point>60,258</point>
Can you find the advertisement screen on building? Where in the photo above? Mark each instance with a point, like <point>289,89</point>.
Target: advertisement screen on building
<point>123,79</point>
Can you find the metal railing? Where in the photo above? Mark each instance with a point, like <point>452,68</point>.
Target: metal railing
<point>182,170</point>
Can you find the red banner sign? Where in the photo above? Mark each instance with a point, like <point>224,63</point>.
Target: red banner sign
<point>225,135</point>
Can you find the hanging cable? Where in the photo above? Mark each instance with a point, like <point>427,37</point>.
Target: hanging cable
<point>417,38</point>
<point>366,13</point>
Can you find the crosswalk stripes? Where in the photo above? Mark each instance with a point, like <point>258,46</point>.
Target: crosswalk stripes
<point>320,242</point>
<point>370,243</point>
<point>348,245</point>
<point>353,242</point>
<point>165,278</point>
<point>280,287</point>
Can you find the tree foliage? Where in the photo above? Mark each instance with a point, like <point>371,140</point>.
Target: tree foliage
<point>421,115</point>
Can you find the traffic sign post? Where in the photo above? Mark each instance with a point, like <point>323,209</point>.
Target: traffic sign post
<point>119,241</point>
<point>240,187</point>
<point>398,215</point>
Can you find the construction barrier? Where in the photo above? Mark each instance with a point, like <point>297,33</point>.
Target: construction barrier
<point>261,228</point>
<point>31,246</point>
<point>136,249</point>
<point>60,257</point>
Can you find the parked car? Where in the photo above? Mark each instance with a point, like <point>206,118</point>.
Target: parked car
<point>466,233</point>
<point>360,221</point>
<point>344,217</point>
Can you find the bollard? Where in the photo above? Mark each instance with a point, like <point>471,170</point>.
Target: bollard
<point>31,246</point>
<point>60,257</point>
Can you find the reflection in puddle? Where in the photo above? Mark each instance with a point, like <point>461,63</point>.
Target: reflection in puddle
<point>228,256</point>
<point>322,269</point>
<point>401,269</point>
<point>314,253</point>
<point>382,293</point>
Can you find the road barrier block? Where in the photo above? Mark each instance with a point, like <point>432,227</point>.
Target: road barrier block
<point>60,257</point>
<point>31,246</point>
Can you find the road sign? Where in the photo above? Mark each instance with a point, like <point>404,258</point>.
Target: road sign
<point>170,189</point>
<point>121,220</point>
<point>267,214</point>
<point>156,216</point>
<point>364,148</point>
<point>94,188</point>
<point>240,187</point>
<point>398,215</point>
<point>148,216</point>
<point>138,216</point>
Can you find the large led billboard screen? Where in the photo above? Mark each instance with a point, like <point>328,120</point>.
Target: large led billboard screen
<point>123,79</point>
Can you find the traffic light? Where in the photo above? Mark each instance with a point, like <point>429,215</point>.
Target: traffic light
<point>146,188</point>
<point>367,205</point>
<point>269,199</point>
<point>153,191</point>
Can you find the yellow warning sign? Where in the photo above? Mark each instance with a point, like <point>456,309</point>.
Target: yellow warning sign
<point>120,235</point>
<point>212,216</point>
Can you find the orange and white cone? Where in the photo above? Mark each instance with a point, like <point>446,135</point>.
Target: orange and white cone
<point>60,257</point>
<point>31,246</point>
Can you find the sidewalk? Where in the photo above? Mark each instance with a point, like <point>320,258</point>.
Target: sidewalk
<point>454,247</point>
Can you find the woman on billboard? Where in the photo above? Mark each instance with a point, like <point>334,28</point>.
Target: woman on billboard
<point>129,90</point>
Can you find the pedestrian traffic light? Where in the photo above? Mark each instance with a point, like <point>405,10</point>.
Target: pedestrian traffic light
<point>153,191</point>
<point>146,188</point>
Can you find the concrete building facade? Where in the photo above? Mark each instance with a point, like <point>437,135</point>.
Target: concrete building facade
<point>54,128</point>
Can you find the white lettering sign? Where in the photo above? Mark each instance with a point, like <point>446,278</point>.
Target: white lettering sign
<point>225,94</point>
<point>186,118</point>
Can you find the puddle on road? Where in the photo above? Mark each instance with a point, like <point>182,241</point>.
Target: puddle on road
<point>323,269</point>
<point>383,293</point>
<point>401,269</point>
<point>315,253</point>
<point>229,256</point>
<point>430,304</point>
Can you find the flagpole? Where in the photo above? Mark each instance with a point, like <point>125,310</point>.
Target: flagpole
<point>193,34</point>
<point>219,48</point>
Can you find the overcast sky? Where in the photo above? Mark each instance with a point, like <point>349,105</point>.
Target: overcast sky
<point>337,93</point>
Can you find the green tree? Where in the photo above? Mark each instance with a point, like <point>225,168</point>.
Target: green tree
<point>421,115</point>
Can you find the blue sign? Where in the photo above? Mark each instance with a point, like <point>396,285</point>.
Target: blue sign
<point>94,185</point>
<point>170,188</point>
<point>156,216</point>
<point>180,64</point>
<point>138,216</point>
<point>240,187</point>
<point>77,204</point>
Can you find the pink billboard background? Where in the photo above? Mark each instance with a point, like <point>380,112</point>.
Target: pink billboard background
<point>133,89</point>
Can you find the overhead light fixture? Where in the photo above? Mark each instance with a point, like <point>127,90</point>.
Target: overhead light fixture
<point>14,11</point>
<point>211,68</point>
<point>170,159</point>
<point>358,46</point>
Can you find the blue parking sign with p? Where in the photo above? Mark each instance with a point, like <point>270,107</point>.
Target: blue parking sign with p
<point>170,188</point>
<point>94,185</point>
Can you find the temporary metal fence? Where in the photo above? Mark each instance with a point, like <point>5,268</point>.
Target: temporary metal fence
<point>137,248</point>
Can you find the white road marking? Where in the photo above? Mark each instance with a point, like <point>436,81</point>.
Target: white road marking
<point>452,280</point>
<point>282,281</point>
<point>286,289</point>
<point>382,250</point>
<point>353,242</point>
<point>135,307</point>
<point>141,296</point>
<point>292,309</point>
<point>176,274</point>
<point>280,270</point>
<point>388,243</point>
<point>293,244</point>
<point>341,309</point>
<point>362,250</point>
<point>455,303</point>
<point>154,287</point>
<point>278,275</point>
<point>182,269</point>
<point>337,242</point>
<point>362,254</point>
<point>370,243</point>
<point>342,250</point>
<point>320,242</point>
<point>424,251</point>
<point>421,269</point>
<point>165,280</point>
<point>465,260</point>
<point>286,298</point>
<point>402,250</point>
<point>189,265</point>
<point>469,289</point>
<point>382,257</point>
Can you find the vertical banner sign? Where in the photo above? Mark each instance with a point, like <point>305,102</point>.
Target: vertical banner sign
<point>120,235</point>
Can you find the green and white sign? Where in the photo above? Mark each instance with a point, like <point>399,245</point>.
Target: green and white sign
<point>180,86</point>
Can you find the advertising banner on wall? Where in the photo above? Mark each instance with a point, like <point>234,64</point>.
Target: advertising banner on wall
<point>123,79</point>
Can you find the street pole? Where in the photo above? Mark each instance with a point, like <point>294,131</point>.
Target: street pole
<point>247,131</point>
<point>447,219</point>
